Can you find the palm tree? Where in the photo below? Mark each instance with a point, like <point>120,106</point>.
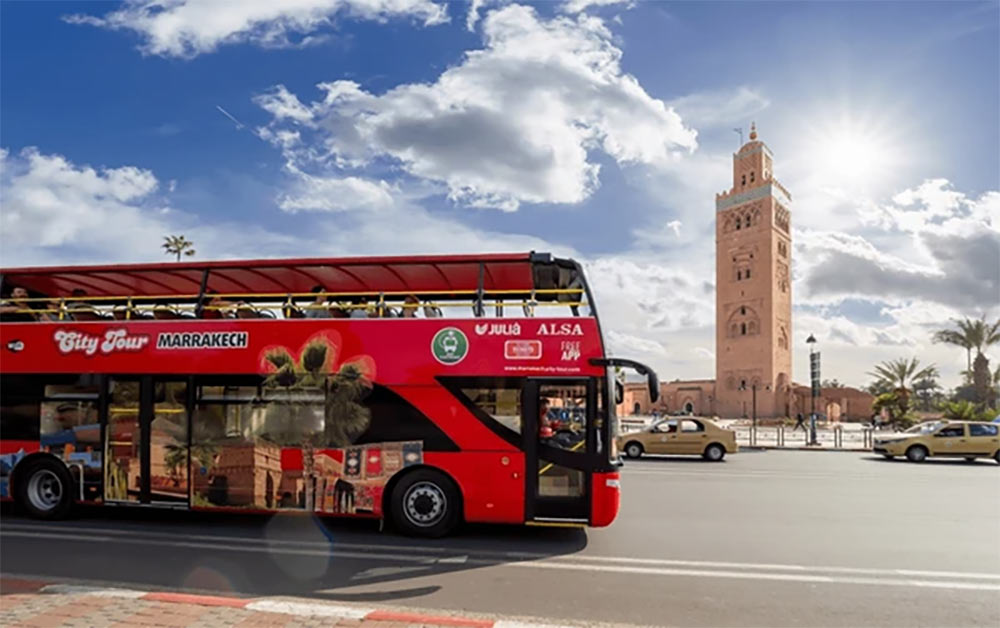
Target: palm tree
<point>970,334</point>
<point>178,245</point>
<point>300,421</point>
<point>898,375</point>
<point>961,411</point>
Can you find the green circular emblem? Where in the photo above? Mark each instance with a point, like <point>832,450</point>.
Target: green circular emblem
<point>449,345</point>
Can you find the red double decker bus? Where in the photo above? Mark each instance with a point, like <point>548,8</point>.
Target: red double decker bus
<point>427,390</point>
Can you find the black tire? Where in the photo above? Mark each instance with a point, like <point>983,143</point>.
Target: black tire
<point>714,453</point>
<point>425,503</point>
<point>634,449</point>
<point>917,453</point>
<point>45,489</point>
<point>996,456</point>
<point>888,456</point>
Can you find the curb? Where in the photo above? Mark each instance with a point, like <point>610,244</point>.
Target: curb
<point>857,450</point>
<point>294,608</point>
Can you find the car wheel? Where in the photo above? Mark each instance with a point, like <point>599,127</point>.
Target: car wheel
<point>996,456</point>
<point>917,453</point>
<point>45,489</point>
<point>425,503</point>
<point>714,453</point>
<point>633,450</point>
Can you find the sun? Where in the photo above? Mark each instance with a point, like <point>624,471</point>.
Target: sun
<point>854,154</point>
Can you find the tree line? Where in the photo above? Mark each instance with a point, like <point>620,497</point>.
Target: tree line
<point>903,386</point>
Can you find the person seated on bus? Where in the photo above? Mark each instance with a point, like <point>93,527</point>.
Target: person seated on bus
<point>162,311</point>
<point>411,304</point>
<point>360,309</point>
<point>544,424</point>
<point>217,307</point>
<point>337,310</point>
<point>432,311</point>
<point>16,309</point>
<point>320,306</point>
<point>79,309</point>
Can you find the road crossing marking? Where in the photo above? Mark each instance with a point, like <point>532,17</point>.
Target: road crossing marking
<point>432,556</point>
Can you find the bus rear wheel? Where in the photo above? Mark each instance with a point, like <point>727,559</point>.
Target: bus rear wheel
<point>425,503</point>
<point>45,489</point>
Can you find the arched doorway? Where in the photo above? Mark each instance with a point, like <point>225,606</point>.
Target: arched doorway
<point>688,408</point>
<point>637,408</point>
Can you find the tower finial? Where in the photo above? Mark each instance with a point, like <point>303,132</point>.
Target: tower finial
<point>753,131</point>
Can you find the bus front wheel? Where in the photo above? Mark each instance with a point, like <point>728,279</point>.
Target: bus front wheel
<point>45,489</point>
<point>425,503</point>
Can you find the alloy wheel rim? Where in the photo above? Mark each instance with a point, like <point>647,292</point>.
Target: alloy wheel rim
<point>425,504</point>
<point>45,490</point>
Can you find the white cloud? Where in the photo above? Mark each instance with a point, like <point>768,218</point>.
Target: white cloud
<point>941,246</point>
<point>579,6</point>
<point>311,193</point>
<point>720,107</point>
<point>55,211</point>
<point>513,123</point>
<point>187,28</point>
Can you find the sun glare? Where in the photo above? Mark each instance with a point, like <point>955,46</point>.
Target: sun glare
<point>854,155</point>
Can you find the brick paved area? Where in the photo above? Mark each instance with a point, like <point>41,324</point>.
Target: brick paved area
<point>24,604</point>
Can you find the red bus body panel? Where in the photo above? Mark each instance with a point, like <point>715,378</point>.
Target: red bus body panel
<point>395,353</point>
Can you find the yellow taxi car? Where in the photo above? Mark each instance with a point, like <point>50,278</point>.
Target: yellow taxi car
<point>684,436</point>
<point>958,439</point>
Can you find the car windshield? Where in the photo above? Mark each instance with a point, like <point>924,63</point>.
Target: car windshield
<point>923,428</point>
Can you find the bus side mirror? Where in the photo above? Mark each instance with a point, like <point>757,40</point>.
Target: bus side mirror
<point>619,392</point>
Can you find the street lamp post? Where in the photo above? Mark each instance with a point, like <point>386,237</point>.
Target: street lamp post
<point>814,377</point>
<point>753,409</point>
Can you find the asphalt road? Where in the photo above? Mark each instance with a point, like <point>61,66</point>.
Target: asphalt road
<point>763,539</point>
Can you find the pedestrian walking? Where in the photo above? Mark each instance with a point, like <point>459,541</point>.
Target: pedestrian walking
<point>800,421</point>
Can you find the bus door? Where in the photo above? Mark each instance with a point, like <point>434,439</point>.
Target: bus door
<point>146,441</point>
<point>560,441</point>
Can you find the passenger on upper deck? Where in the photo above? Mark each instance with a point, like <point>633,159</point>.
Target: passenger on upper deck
<point>16,309</point>
<point>410,305</point>
<point>319,308</point>
<point>217,307</point>
<point>361,308</point>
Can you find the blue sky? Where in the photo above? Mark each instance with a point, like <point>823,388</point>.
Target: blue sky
<point>598,129</point>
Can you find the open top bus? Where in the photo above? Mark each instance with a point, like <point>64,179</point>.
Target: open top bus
<point>427,390</point>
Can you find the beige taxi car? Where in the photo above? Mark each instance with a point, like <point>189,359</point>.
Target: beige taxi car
<point>681,436</point>
<point>956,439</point>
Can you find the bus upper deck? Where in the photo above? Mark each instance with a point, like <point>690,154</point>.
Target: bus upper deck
<point>497,285</point>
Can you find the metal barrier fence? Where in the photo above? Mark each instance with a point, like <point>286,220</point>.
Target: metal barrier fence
<point>780,436</point>
<point>838,436</point>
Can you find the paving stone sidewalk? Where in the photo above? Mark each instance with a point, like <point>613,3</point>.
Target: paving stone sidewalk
<point>24,604</point>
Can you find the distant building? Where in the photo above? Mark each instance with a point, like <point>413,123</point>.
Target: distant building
<point>753,311</point>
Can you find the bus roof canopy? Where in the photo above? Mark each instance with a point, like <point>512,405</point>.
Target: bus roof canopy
<point>429,273</point>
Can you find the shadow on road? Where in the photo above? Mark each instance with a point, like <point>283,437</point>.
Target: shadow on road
<point>930,462</point>
<point>253,555</point>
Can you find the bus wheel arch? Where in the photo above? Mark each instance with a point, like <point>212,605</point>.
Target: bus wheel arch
<point>423,501</point>
<point>43,486</point>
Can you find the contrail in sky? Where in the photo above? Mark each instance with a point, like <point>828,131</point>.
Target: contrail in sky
<point>239,125</point>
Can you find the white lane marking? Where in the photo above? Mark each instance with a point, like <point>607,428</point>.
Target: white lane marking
<point>749,575</point>
<point>506,623</point>
<point>311,610</point>
<point>801,573</point>
<point>79,589</point>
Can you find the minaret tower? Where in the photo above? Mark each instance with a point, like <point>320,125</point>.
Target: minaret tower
<point>753,299</point>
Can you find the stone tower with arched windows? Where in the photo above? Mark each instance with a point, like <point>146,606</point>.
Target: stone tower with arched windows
<point>753,303</point>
